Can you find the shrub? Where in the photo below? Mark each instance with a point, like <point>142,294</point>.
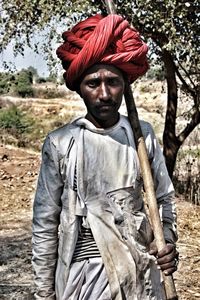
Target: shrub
<point>52,78</point>
<point>24,80</point>
<point>14,121</point>
<point>156,73</point>
<point>41,80</point>
<point>6,82</point>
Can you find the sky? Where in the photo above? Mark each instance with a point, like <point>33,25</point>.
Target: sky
<point>29,59</point>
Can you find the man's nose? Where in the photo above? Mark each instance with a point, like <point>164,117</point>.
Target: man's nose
<point>104,92</point>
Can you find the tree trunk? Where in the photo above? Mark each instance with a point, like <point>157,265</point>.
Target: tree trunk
<point>171,143</point>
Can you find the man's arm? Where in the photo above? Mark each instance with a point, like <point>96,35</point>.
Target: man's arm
<point>46,215</point>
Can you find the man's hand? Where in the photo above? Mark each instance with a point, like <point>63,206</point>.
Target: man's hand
<point>166,259</point>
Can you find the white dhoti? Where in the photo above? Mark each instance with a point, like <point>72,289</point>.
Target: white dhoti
<point>87,280</point>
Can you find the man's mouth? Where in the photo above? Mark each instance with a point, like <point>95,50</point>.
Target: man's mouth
<point>106,105</point>
<point>106,108</point>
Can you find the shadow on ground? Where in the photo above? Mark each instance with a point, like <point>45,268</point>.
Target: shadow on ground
<point>15,267</point>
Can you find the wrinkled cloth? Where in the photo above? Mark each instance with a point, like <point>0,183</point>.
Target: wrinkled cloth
<point>57,204</point>
<point>87,280</point>
<point>119,45</point>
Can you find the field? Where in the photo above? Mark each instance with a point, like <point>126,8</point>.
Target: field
<point>19,168</point>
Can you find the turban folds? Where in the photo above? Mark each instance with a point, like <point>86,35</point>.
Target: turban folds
<point>107,40</point>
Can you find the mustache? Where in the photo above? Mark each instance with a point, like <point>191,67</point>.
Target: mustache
<point>109,102</point>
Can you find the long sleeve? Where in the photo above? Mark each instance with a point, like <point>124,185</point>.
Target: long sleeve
<point>46,216</point>
<point>163,187</point>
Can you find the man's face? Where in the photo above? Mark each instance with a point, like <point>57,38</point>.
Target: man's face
<point>102,88</point>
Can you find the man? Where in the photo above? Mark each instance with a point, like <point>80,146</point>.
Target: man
<point>91,236</point>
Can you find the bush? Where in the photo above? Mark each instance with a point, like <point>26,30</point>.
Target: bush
<point>14,121</point>
<point>41,80</point>
<point>24,91</point>
<point>52,78</point>
<point>156,73</point>
<point>6,82</point>
<point>24,80</point>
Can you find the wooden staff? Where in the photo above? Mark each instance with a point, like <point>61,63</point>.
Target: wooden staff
<point>169,285</point>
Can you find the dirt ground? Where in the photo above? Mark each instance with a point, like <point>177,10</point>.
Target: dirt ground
<point>18,174</point>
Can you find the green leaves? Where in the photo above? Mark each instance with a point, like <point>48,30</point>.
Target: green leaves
<point>14,120</point>
<point>169,25</point>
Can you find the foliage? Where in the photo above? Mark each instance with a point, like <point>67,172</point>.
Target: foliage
<point>172,23</point>
<point>6,82</point>
<point>171,29</point>
<point>156,73</point>
<point>187,179</point>
<point>169,25</point>
<point>33,73</point>
<point>23,83</point>
<point>52,78</point>
<point>23,126</point>
<point>20,83</point>
<point>41,80</point>
<point>14,121</point>
<point>22,20</point>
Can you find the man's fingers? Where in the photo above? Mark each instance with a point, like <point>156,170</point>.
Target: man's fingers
<point>169,265</point>
<point>170,271</point>
<point>167,259</point>
<point>168,249</point>
<point>169,268</point>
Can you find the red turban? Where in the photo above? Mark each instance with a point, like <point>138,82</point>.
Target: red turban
<point>98,39</point>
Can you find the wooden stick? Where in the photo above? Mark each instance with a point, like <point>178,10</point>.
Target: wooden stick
<point>169,285</point>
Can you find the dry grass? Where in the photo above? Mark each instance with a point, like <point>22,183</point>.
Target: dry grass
<point>19,169</point>
<point>187,277</point>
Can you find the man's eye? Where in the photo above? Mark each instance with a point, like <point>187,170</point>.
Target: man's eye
<point>92,84</point>
<point>114,81</point>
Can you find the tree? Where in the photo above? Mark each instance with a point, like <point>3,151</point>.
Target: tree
<point>22,20</point>
<point>7,80</point>
<point>23,83</point>
<point>34,73</point>
<point>171,28</point>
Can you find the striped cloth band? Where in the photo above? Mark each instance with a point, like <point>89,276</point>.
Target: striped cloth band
<point>86,246</point>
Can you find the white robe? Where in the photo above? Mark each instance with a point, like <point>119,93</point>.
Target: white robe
<point>109,198</point>
<point>109,188</point>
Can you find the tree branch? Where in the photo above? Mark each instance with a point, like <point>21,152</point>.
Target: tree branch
<point>195,120</point>
<point>187,74</point>
<point>185,84</point>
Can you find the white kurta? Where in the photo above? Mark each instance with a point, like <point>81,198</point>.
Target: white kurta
<point>109,186</point>
<point>109,198</point>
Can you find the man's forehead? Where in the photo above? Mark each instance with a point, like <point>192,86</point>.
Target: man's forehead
<point>98,70</point>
